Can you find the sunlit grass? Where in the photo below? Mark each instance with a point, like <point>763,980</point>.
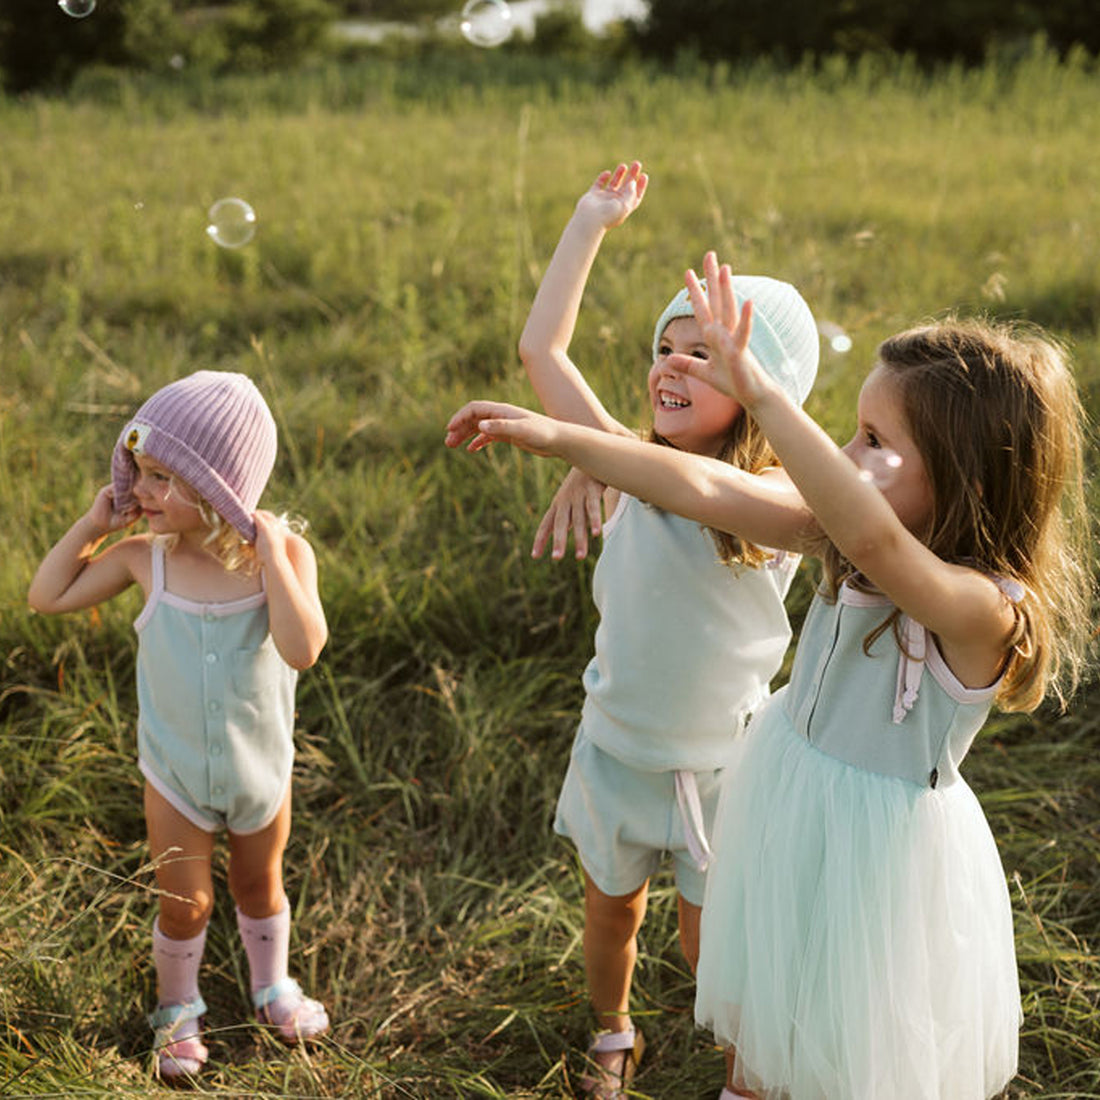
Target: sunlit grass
<point>405,215</point>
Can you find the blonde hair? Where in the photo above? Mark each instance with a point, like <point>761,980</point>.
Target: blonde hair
<point>746,447</point>
<point>224,541</point>
<point>994,412</point>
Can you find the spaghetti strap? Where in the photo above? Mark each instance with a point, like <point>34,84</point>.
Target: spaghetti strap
<point>1013,590</point>
<point>158,571</point>
<point>156,584</point>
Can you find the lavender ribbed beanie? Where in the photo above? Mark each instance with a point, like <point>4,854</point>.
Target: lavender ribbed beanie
<point>784,336</point>
<point>214,430</point>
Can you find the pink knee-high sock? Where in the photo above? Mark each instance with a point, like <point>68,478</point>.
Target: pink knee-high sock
<point>177,963</point>
<point>267,945</point>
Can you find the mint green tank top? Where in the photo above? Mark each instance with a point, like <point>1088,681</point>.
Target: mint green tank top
<point>215,707</point>
<point>686,646</point>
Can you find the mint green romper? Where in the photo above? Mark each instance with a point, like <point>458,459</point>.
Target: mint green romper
<point>215,707</point>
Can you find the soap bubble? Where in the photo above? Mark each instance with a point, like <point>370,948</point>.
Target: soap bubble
<point>232,223</point>
<point>486,22</point>
<point>836,337</point>
<point>77,9</point>
<point>880,468</point>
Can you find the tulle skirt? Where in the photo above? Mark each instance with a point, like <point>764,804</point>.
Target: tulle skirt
<point>856,937</point>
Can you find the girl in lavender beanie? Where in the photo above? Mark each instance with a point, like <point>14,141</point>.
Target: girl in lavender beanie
<point>232,613</point>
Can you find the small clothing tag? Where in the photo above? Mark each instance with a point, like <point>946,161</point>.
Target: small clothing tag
<point>136,436</point>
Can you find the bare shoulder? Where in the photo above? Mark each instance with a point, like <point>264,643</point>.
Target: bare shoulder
<point>973,618</point>
<point>301,555</point>
<point>135,554</point>
<point>298,544</point>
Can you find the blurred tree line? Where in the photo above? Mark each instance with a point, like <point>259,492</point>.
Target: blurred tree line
<point>40,47</point>
<point>935,30</point>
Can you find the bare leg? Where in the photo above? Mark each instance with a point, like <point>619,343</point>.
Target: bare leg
<point>182,853</point>
<point>731,1063</point>
<point>263,917</point>
<point>610,950</point>
<point>689,931</point>
<point>256,866</point>
<point>183,875</point>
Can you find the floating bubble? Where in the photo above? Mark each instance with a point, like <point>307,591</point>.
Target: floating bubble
<point>880,467</point>
<point>77,9</point>
<point>486,22</point>
<point>232,223</point>
<point>835,336</point>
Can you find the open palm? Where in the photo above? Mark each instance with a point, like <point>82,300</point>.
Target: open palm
<point>615,194</point>
<point>732,368</point>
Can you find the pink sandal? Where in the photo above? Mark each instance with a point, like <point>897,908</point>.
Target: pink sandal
<point>294,1016</point>
<point>178,1056</point>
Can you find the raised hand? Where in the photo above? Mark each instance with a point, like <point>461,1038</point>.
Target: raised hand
<point>732,368</point>
<point>271,536</point>
<point>102,514</point>
<point>615,194</point>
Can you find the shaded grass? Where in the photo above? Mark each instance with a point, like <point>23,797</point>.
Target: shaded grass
<point>401,237</point>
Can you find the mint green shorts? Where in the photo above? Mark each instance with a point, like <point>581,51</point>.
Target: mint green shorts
<point>623,821</point>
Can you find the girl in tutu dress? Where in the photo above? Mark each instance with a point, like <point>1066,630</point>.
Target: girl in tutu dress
<point>856,937</point>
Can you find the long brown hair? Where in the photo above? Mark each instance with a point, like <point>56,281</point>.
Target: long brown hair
<point>994,411</point>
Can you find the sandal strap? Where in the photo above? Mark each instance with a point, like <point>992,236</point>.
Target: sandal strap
<point>606,1041</point>
<point>167,1017</point>
<point>191,1048</point>
<point>270,993</point>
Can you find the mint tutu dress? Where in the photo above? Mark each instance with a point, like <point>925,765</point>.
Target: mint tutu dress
<point>857,939</point>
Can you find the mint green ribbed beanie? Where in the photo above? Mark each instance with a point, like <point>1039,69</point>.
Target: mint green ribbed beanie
<point>784,336</point>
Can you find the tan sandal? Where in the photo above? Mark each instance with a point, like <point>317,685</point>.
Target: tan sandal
<point>615,1055</point>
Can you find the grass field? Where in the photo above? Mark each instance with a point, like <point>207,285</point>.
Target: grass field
<point>404,215</point>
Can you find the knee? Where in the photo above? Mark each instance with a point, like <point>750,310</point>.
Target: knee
<point>184,918</point>
<point>614,923</point>
<point>258,891</point>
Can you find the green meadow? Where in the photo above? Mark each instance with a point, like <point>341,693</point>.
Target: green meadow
<point>406,210</point>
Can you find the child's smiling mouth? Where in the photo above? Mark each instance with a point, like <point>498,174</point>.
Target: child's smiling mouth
<point>672,401</point>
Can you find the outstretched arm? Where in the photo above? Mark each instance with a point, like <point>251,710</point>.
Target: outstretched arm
<point>961,606</point>
<point>544,344</point>
<point>72,576</point>
<point>295,615</point>
<point>763,508</point>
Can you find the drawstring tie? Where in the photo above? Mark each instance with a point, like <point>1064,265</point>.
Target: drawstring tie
<point>913,648</point>
<point>910,668</point>
<point>691,813</point>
